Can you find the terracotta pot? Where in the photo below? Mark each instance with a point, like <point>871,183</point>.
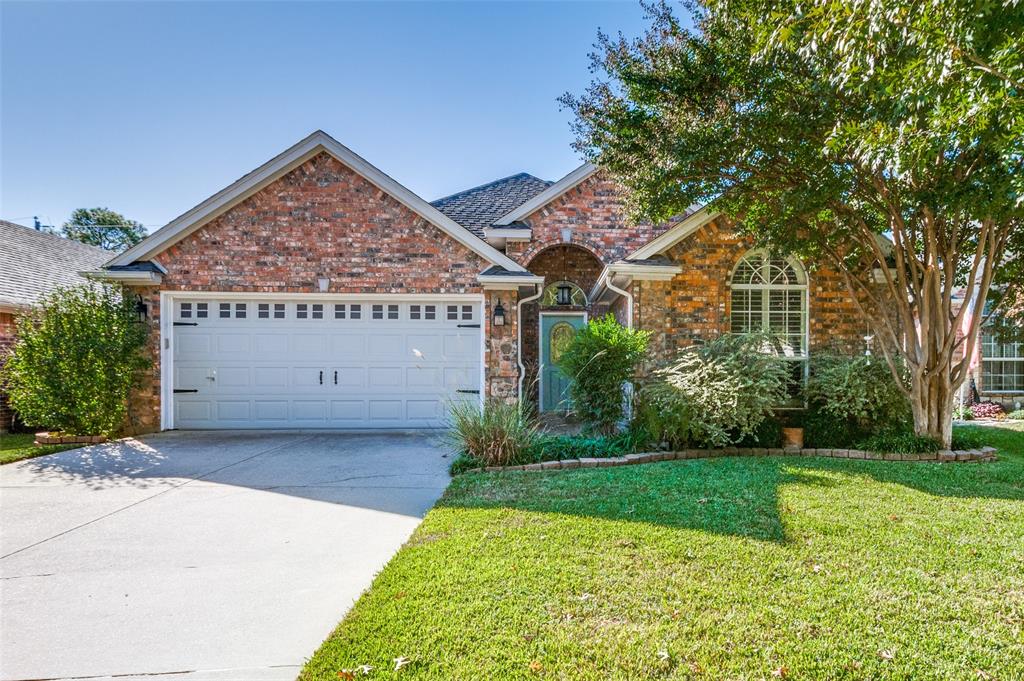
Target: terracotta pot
<point>792,438</point>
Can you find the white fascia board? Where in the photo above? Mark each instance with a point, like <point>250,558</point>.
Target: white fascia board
<point>510,234</point>
<point>506,282</point>
<point>645,272</point>
<point>674,235</point>
<point>548,195</point>
<point>124,276</point>
<point>286,161</point>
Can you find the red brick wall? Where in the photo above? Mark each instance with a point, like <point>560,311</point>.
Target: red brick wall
<point>322,219</point>
<point>596,213</point>
<point>6,341</point>
<point>695,305</point>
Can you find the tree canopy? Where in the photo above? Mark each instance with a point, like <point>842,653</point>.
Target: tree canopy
<point>104,228</point>
<point>880,138</point>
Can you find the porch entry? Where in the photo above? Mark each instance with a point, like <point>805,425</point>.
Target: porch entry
<point>556,331</point>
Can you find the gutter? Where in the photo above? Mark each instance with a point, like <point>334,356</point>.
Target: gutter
<point>519,333</point>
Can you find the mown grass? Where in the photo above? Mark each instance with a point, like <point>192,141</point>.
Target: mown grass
<point>18,446</point>
<point>745,568</point>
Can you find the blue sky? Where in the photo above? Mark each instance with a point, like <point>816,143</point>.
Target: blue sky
<point>148,108</point>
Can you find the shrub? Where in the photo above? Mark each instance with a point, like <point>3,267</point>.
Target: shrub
<point>899,442</point>
<point>987,410</point>
<point>962,412</point>
<point>75,360</point>
<point>557,447</point>
<point>500,434</point>
<point>969,438</point>
<point>826,431</point>
<point>768,434</point>
<point>1017,414</point>
<point>714,394</point>
<point>602,356</point>
<point>859,393</point>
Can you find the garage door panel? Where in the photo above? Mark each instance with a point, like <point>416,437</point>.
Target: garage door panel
<point>273,368</point>
<point>232,410</point>
<point>271,410</point>
<point>270,377</point>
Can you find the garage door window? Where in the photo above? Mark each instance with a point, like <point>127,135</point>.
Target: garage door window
<point>303,311</point>
<point>378,312</point>
<point>426,312</point>
<point>348,311</point>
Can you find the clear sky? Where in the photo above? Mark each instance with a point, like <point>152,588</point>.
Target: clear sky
<point>148,108</point>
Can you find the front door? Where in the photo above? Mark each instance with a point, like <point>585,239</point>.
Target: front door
<point>556,332</point>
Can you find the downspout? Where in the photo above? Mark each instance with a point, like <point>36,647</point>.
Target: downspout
<point>625,294</point>
<point>539,291</point>
<point>627,392</point>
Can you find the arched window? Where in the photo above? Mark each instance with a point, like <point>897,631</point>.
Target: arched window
<point>563,293</point>
<point>769,294</point>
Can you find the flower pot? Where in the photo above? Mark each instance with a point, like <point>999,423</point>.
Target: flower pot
<point>792,438</point>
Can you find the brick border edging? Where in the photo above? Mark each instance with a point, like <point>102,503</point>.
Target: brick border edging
<point>983,455</point>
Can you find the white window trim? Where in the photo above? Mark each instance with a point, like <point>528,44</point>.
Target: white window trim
<point>766,311</point>
<point>984,388</point>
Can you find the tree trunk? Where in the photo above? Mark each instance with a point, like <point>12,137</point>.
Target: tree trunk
<point>931,399</point>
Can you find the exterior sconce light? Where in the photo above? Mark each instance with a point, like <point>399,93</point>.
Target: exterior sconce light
<point>322,283</point>
<point>141,309</point>
<point>566,235</point>
<point>498,319</point>
<point>563,294</point>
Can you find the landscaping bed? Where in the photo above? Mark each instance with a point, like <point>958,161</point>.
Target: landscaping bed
<point>740,568</point>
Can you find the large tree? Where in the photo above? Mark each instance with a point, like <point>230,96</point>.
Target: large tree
<point>896,161</point>
<point>104,228</point>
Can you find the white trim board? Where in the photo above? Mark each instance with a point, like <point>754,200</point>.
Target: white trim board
<point>548,195</point>
<point>281,164</point>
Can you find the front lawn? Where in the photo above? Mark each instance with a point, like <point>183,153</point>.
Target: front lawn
<point>18,446</point>
<point>743,568</point>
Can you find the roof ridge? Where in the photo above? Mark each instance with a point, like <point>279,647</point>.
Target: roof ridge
<point>490,184</point>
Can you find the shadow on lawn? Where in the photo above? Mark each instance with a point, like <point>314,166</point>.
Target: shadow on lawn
<point>734,496</point>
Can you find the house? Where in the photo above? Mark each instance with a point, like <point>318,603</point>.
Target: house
<point>318,292</point>
<point>32,264</point>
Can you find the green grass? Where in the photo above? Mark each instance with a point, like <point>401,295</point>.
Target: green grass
<point>18,446</point>
<point>710,569</point>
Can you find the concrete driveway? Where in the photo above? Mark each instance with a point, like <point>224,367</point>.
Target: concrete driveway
<point>201,555</point>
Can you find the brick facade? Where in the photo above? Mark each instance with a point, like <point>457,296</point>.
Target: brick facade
<point>6,341</point>
<point>322,219</point>
<point>695,304</point>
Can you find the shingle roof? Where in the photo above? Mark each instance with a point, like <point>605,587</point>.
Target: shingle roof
<point>479,207</point>
<point>33,263</point>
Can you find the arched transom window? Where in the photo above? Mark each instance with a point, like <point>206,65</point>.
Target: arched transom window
<point>769,294</point>
<point>563,293</point>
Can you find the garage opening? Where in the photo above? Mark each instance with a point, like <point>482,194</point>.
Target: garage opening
<point>387,362</point>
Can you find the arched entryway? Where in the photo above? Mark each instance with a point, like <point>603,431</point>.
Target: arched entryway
<point>570,273</point>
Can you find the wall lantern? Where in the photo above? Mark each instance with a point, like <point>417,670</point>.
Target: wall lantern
<point>141,309</point>
<point>322,283</point>
<point>498,318</point>
<point>563,294</point>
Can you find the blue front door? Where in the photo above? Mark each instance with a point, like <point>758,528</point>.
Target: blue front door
<point>556,331</point>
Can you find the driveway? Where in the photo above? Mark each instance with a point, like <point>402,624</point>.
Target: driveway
<point>200,555</point>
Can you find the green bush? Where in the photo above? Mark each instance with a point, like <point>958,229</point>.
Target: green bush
<point>601,358</point>
<point>768,434</point>
<point>76,358</point>
<point>826,431</point>
<point>557,447</point>
<point>715,394</point>
<point>898,442</point>
<point>855,395</point>
<point>500,434</point>
<point>969,438</point>
<point>1017,415</point>
<point>962,412</point>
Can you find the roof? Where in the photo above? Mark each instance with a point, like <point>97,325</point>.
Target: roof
<point>478,208</point>
<point>316,143</point>
<point>549,194</point>
<point>34,263</point>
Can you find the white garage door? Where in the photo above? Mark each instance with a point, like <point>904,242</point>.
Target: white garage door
<point>316,363</point>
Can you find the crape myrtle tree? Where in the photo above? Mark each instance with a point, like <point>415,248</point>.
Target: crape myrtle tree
<point>883,139</point>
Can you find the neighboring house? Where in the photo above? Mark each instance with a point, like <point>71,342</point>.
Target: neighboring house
<point>32,264</point>
<point>318,292</point>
